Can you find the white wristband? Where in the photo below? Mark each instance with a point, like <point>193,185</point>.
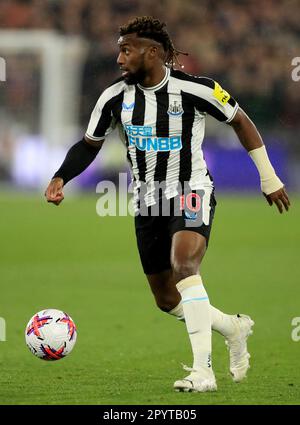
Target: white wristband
<point>269,182</point>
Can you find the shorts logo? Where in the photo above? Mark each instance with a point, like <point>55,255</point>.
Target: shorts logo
<point>220,94</point>
<point>127,108</point>
<point>190,215</point>
<point>175,109</point>
<point>191,206</point>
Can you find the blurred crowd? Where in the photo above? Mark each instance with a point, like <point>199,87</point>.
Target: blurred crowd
<point>247,45</point>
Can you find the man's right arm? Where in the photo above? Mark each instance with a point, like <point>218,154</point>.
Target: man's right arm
<point>78,158</point>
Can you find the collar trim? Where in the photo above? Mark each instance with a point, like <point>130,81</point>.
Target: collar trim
<point>159,85</point>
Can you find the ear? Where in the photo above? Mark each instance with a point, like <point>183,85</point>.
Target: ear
<point>153,51</point>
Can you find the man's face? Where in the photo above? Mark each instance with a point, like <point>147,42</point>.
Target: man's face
<point>132,58</point>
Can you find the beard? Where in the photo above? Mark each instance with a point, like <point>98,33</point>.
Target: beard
<point>138,76</point>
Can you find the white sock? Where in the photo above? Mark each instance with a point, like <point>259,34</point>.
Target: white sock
<point>220,322</point>
<point>177,312</point>
<point>196,310</point>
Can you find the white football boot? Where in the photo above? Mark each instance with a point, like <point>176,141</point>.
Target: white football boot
<point>198,381</point>
<point>237,346</point>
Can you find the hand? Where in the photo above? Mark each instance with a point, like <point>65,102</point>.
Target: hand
<point>54,191</point>
<point>280,198</point>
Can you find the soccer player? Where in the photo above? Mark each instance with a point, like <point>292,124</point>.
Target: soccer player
<point>160,112</point>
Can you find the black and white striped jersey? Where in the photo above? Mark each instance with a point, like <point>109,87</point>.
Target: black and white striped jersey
<point>163,126</point>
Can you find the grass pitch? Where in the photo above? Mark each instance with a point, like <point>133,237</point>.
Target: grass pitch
<point>127,351</point>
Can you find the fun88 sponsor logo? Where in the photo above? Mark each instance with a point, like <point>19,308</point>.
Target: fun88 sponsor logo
<point>141,137</point>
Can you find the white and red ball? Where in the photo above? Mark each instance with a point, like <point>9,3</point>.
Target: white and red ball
<point>51,334</point>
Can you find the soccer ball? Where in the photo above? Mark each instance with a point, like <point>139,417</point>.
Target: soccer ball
<point>50,334</point>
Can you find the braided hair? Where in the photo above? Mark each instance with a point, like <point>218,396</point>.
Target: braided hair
<point>154,29</point>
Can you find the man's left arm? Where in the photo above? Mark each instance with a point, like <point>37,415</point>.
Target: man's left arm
<point>271,185</point>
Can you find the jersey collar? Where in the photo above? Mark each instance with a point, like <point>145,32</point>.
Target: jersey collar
<point>159,85</point>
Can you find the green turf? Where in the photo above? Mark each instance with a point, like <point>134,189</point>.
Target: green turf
<point>128,352</point>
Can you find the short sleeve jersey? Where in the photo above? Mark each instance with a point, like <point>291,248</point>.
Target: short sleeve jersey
<point>163,126</point>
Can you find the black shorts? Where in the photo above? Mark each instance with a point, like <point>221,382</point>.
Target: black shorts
<point>154,234</point>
